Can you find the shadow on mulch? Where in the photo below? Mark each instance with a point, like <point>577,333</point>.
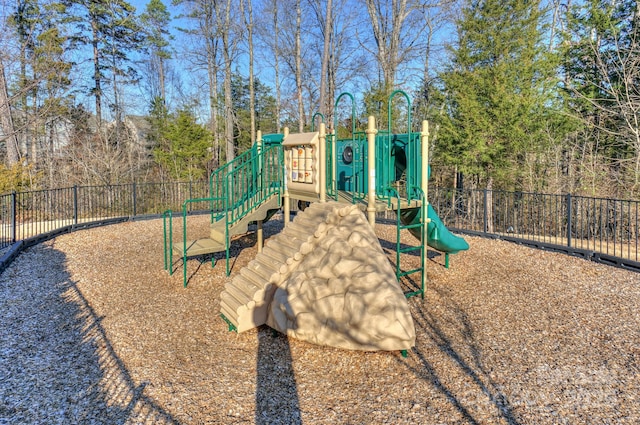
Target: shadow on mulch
<point>484,386</point>
<point>95,385</point>
<point>276,388</point>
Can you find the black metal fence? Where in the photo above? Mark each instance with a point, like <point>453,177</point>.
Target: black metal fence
<point>601,229</point>
<point>606,230</point>
<point>25,215</point>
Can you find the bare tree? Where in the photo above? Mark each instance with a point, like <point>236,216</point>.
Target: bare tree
<point>207,56</point>
<point>396,31</point>
<point>386,24</point>
<point>604,78</point>
<point>435,15</point>
<point>276,63</point>
<point>298,56</point>
<point>228,46</point>
<point>328,22</point>
<point>252,90</point>
<point>269,30</point>
<point>8,132</point>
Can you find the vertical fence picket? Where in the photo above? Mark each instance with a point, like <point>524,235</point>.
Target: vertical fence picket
<point>14,211</point>
<point>75,204</point>
<point>134,199</point>
<point>485,224</point>
<point>569,222</point>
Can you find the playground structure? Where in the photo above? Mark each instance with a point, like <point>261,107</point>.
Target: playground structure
<point>325,277</point>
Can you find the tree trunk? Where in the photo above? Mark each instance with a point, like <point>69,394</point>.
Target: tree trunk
<point>161,80</point>
<point>325,58</point>
<point>490,205</point>
<point>209,24</point>
<point>6,121</point>
<point>252,92</point>
<point>228,101</point>
<point>213,106</point>
<point>299,65</point>
<point>97,91</point>
<point>276,63</point>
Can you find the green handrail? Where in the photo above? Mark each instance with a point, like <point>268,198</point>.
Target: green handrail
<point>251,183</point>
<point>247,185</point>
<point>313,119</point>
<point>217,176</point>
<point>386,176</point>
<point>354,172</point>
<point>353,113</point>
<point>241,186</point>
<point>330,144</point>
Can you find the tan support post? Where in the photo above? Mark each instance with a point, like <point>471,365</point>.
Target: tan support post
<point>259,233</point>
<point>287,201</point>
<point>371,169</point>
<point>260,236</point>
<point>424,152</point>
<point>424,183</point>
<point>323,162</point>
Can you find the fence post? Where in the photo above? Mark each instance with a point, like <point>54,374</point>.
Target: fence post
<point>134,194</point>
<point>569,223</point>
<point>75,204</point>
<point>14,204</point>
<point>485,224</point>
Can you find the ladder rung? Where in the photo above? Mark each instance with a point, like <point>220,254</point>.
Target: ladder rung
<point>409,272</point>
<point>410,248</point>
<point>413,294</point>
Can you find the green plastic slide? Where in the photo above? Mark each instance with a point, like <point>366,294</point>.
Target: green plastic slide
<point>438,236</point>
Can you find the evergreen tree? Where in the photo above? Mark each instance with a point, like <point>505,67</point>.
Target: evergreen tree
<point>184,151</point>
<point>155,21</point>
<point>499,87</point>
<point>44,73</point>
<point>158,121</point>
<point>112,30</point>
<point>264,106</point>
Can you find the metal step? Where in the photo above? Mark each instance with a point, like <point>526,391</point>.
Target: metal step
<point>199,247</point>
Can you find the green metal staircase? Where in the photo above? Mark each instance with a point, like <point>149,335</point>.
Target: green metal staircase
<point>245,190</point>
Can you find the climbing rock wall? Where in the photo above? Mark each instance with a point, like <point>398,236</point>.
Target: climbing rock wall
<point>324,279</point>
<point>246,299</point>
<point>343,291</point>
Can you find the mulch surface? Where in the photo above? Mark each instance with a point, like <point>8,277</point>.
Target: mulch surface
<point>93,330</point>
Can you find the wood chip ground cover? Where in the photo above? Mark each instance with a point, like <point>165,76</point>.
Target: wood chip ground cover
<point>92,330</point>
